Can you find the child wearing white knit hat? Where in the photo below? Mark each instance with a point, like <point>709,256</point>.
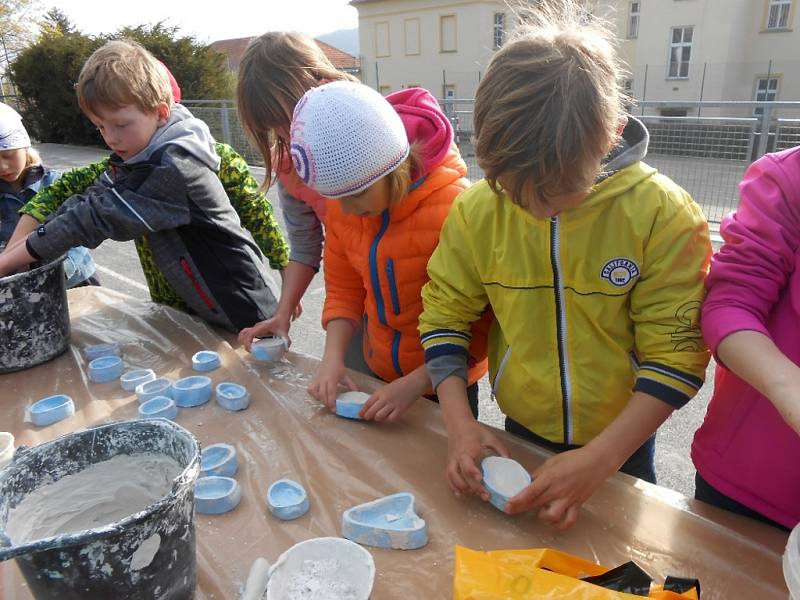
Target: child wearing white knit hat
<point>393,170</point>
<point>22,176</point>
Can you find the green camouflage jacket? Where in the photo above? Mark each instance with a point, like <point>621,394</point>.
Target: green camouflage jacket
<point>253,208</point>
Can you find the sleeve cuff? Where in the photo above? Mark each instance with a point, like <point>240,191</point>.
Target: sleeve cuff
<point>667,384</point>
<point>31,251</point>
<point>442,367</point>
<point>720,323</point>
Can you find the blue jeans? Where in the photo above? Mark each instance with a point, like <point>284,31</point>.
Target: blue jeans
<point>641,464</point>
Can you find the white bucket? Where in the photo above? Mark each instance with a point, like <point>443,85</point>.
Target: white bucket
<point>791,564</point>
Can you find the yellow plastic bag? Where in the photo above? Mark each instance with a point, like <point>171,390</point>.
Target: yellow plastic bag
<point>539,573</point>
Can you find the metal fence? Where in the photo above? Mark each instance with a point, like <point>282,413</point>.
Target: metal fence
<point>705,155</point>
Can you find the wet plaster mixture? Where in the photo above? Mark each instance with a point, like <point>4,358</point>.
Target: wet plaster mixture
<point>101,494</point>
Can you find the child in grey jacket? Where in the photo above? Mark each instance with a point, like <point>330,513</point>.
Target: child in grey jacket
<point>161,183</point>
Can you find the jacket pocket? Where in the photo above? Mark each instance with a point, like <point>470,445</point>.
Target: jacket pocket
<point>392,286</point>
<point>187,268</point>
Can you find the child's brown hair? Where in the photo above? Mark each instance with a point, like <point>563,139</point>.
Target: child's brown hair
<point>122,72</point>
<point>276,70</point>
<point>548,109</point>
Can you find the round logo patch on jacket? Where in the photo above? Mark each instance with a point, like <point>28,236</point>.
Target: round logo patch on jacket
<point>620,271</point>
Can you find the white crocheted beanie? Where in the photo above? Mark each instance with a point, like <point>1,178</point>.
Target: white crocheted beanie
<point>12,132</point>
<point>344,137</point>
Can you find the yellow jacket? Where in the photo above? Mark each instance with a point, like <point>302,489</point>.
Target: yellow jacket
<point>590,305</point>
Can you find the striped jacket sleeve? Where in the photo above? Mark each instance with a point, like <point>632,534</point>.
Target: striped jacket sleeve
<point>454,298</point>
<point>665,304</point>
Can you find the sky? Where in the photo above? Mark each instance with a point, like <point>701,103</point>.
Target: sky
<point>215,20</point>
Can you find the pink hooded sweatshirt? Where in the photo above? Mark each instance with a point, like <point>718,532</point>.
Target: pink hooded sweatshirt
<point>744,448</point>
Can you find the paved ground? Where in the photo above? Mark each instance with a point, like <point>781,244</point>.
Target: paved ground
<point>120,270</point>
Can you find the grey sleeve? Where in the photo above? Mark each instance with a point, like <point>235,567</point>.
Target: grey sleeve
<point>118,212</point>
<point>442,367</point>
<point>303,229</point>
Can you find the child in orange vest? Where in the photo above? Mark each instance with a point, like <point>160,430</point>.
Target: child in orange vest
<point>392,166</point>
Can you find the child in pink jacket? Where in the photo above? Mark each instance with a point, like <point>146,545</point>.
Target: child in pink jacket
<point>747,452</point>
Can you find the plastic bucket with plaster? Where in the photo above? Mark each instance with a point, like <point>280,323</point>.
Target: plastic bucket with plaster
<point>103,562</point>
<point>34,317</point>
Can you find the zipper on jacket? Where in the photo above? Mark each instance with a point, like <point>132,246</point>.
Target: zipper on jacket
<point>393,287</point>
<point>373,268</point>
<point>187,268</point>
<point>500,370</point>
<point>561,328</point>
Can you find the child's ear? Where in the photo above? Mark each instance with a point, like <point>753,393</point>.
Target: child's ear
<point>163,113</point>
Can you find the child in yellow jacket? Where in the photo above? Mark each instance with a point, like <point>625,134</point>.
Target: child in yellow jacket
<point>592,262</point>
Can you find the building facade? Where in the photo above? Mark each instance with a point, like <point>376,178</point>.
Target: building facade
<point>675,50</point>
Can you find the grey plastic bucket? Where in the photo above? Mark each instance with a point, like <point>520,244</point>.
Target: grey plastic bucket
<point>34,317</point>
<point>98,563</point>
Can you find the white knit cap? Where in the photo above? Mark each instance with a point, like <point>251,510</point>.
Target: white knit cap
<point>345,136</point>
<point>12,131</point>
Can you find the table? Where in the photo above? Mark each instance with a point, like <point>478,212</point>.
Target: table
<point>342,463</point>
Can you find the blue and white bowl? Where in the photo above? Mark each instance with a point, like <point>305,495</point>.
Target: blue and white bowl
<point>130,380</point>
<point>105,369</point>
<point>269,349</point>
<point>158,407</point>
<point>349,404</point>
<point>287,499</point>
<point>216,495</point>
<point>192,391</point>
<point>503,478</point>
<point>51,410</point>
<point>99,350</point>
<point>153,389</point>
<point>205,360</point>
<point>232,396</point>
<point>218,460</point>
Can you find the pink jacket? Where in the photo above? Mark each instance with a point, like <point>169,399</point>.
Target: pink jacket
<point>744,448</point>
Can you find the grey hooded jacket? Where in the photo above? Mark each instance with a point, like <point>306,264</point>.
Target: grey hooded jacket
<point>170,193</point>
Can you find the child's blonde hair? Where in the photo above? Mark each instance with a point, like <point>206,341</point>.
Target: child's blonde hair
<point>32,158</point>
<point>401,178</point>
<point>120,73</point>
<point>548,108</point>
<point>276,70</point>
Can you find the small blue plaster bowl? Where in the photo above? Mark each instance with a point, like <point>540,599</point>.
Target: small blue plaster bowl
<point>269,349</point>
<point>160,406</point>
<point>51,410</point>
<point>218,460</point>
<point>100,350</point>
<point>192,391</point>
<point>153,389</point>
<point>349,404</point>
<point>503,478</point>
<point>287,499</point>
<point>136,377</point>
<point>205,360</point>
<point>105,369</point>
<point>232,396</point>
<point>216,495</point>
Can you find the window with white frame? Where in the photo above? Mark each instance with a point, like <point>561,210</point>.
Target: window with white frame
<point>382,47</point>
<point>412,36</point>
<point>499,30</point>
<point>778,14</point>
<point>766,91</point>
<point>447,33</point>
<point>680,52</point>
<point>633,20</point>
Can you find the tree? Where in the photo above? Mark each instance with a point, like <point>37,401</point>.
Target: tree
<point>45,74</point>
<point>18,24</point>
<point>199,70</point>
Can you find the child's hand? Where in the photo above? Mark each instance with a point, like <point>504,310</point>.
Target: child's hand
<point>467,443</point>
<point>391,401</point>
<point>277,326</point>
<point>325,386</point>
<point>561,485</point>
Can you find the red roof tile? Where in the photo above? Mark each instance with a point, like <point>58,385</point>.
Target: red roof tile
<point>234,50</point>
